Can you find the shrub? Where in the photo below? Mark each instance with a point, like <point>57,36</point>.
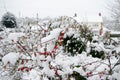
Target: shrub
<point>9,20</point>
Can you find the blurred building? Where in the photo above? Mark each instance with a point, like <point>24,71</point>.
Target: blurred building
<point>94,22</point>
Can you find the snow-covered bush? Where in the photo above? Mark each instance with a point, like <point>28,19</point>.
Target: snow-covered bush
<point>76,38</point>
<point>73,45</point>
<point>95,48</point>
<point>39,57</point>
<point>9,20</point>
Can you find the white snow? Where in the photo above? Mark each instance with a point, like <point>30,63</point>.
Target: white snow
<point>56,33</point>
<point>53,36</point>
<point>47,39</point>
<point>33,75</point>
<point>11,57</point>
<point>14,36</point>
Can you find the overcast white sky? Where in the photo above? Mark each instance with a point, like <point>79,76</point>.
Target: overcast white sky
<point>53,8</point>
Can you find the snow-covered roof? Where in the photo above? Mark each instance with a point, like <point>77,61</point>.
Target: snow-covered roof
<point>94,18</point>
<point>91,18</point>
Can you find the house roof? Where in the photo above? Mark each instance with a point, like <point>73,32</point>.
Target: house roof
<point>91,18</point>
<point>94,19</point>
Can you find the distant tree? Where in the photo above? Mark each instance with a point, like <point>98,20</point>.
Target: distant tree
<point>115,14</point>
<point>9,20</point>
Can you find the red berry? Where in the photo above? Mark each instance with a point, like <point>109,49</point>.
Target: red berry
<point>26,60</point>
<point>35,54</point>
<point>89,73</point>
<point>56,47</point>
<point>27,70</point>
<point>23,68</point>
<point>56,72</point>
<point>19,47</point>
<point>24,47</point>
<point>90,63</point>
<point>4,67</point>
<point>30,69</point>
<point>62,33</point>
<point>22,61</point>
<point>109,66</point>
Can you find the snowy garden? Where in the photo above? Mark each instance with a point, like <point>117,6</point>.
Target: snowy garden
<point>57,49</point>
